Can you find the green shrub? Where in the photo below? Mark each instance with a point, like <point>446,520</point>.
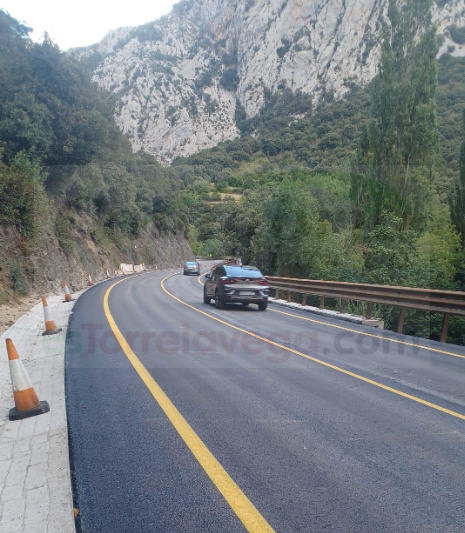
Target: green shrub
<point>17,278</point>
<point>457,33</point>
<point>230,80</point>
<point>21,195</point>
<point>284,49</point>
<point>64,235</point>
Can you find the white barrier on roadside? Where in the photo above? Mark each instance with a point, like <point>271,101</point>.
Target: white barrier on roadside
<point>139,268</point>
<point>126,268</point>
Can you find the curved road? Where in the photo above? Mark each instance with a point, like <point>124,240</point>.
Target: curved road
<point>183,418</point>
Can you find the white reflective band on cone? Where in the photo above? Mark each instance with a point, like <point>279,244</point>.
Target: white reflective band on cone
<point>47,314</point>
<point>66,289</point>
<point>19,377</point>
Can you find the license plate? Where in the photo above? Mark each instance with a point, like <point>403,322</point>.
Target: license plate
<point>247,293</point>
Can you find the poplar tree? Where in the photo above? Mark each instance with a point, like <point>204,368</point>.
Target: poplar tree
<point>395,165</point>
<point>458,201</point>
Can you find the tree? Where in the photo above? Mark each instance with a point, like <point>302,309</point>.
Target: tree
<point>394,169</point>
<point>288,230</point>
<point>25,126</point>
<point>390,252</point>
<point>458,200</point>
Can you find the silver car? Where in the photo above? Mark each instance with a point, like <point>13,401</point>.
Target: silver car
<point>191,267</point>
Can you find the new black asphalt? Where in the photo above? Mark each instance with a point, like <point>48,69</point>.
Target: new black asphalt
<point>313,449</point>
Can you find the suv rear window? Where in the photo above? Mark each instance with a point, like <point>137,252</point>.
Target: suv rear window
<point>243,272</point>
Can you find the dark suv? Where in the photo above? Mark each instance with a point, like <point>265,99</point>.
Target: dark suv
<point>236,284</point>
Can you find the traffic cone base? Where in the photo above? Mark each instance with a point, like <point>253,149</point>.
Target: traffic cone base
<point>51,331</point>
<point>41,409</point>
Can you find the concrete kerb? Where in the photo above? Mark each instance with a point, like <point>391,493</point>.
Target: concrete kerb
<point>35,480</point>
<point>374,322</point>
<point>34,456</point>
<point>34,464</point>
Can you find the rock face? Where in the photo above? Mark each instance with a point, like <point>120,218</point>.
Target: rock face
<point>182,79</point>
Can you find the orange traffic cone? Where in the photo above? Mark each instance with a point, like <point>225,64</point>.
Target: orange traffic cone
<point>50,326</point>
<point>68,297</point>
<point>108,274</point>
<point>89,280</point>
<point>26,402</point>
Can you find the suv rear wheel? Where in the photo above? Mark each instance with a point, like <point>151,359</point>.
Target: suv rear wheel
<point>219,304</point>
<point>262,306</point>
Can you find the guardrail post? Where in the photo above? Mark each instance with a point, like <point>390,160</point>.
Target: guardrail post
<point>322,302</point>
<point>289,296</point>
<point>304,299</point>
<point>343,306</point>
<point>369,311</point>
<point>400,325</point>
<point>445,327</point>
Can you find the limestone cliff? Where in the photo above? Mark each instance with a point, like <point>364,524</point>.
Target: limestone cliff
<point>181,79</point>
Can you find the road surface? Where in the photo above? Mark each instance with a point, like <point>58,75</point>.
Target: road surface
<point>183,418</point>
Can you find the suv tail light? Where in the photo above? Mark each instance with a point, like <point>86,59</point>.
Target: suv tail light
<point>230,281</point>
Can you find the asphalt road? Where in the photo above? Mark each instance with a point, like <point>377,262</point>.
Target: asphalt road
<point>341,431</point>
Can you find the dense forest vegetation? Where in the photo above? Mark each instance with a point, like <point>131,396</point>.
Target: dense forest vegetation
<point>63,160</point>
<point>57,130</point>
<point>370,188</point>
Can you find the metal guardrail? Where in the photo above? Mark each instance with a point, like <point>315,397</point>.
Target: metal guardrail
<point>215,258</point>
<point>444,302</point>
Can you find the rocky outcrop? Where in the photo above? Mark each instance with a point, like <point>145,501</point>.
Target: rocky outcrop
<point>182,79</point>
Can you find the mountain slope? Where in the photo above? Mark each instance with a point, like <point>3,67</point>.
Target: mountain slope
<point>183,80</point>
<point>74,197</point>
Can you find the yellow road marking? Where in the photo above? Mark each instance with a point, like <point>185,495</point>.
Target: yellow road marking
<point>252,520</point>
<point>371,334</point>
<point>364,333</point>
<point>319,361</point>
